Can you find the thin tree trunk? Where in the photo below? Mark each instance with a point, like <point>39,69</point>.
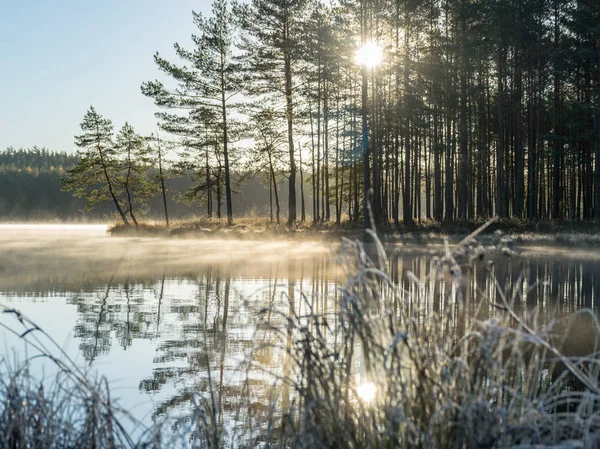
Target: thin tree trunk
<point>290,130</point>
<point>463,159</point>
<point>519,178</point>
<point>225,147</point>
<point>532,159</point>
<point>438,212</point>
<point>320,212</point>
<point>375,152</point>
<point>219,192</point>
<point>500,180</point>
<point>314,176</point>
<point>337,159</point>
<point>407,214</point>
<point>162,181</point>
<point>208,187</point>
<point>356,161</point>
<point>303,216</point>
<point>365,149</point>
<point>327,207</point>
<point>277,210</point>
<point>270,194</point>
<point>127,186</point>
<point>110,188</point>
<point>557,145</point>
<point>597,153</point>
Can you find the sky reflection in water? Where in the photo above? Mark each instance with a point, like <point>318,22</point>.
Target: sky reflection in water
<point>154,316</point>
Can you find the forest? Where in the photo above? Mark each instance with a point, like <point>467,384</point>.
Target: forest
<point>476,108</point>
<point>30,186</point>
<point>31,189</point>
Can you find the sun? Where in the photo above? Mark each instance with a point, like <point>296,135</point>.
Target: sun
<point>369,55</point>
<point>366,392</point>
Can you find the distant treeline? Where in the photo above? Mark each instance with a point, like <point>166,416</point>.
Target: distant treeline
<point>30,186</point>
<point>40,160</point>
<point>30,189</point>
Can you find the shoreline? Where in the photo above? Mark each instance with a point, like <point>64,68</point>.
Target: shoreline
<point>509,232</point>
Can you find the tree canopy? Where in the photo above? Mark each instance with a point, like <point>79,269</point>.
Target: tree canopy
<point>478,108</point>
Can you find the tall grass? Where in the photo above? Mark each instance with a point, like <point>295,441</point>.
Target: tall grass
<point>375,373</point>
<point>67,407</point>
<point>494,383</point>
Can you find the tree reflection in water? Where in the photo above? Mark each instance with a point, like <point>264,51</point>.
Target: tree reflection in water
<point>206,320</point>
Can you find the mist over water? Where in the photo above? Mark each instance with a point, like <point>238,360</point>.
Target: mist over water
<point>156,315</point>
<point>148,313</point>
<point>75,256</point>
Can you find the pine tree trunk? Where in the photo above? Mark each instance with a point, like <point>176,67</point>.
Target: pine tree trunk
<point>397,128</point>
<point>277,209</point>
<point>519,152</point>
<point>376,200</point>
<point>303,204</point>
<point>289,117</point>
<point>208,188</point>
<point>270,195</point>
<point>597,153</point>
<point>532,158</point>
<point>337,162</point>
<point>225,150</point>
<point>128,187</point>
<point>449,215</point>
<point>162,182</point>
<point>463,164</point>
<point>365,149</point>
<point>326,201</point>
<point>110,188</point>
<point>438,207</point>
<point>219,192</point>
<point>500,177</point>
<point>407,210</point>
<point>314,175</point>
<point>356,161</point>
<point>557,145</point>
<point>318,187</point>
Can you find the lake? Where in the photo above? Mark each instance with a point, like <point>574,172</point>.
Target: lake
<point>158,317</point>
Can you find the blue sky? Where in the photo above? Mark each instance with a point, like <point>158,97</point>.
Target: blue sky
<point>58,57</point>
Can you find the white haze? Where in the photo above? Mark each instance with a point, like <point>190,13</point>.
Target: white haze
<point>74,256</point>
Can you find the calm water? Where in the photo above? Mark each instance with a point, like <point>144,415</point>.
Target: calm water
<point>157,316</point>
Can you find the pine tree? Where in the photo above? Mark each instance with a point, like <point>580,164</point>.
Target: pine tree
<point>96,177</point>
<point>161,175</point>
<point>272,50</point>
<point>133,153</point>
<point>267,129</point>
<point>209,82</point>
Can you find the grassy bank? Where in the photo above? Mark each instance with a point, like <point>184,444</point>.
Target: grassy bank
<point>381,371</point>
<point>517,232</point>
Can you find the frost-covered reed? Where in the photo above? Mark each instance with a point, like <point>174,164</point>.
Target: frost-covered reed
<point>379,374</point>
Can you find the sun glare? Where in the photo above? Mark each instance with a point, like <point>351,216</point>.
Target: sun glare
<point>366,391</point>
<point>369,55</point>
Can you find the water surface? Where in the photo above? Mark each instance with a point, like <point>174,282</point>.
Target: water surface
<point>158,317</point>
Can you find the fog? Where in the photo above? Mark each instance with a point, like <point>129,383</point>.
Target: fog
<point>73,257</point>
